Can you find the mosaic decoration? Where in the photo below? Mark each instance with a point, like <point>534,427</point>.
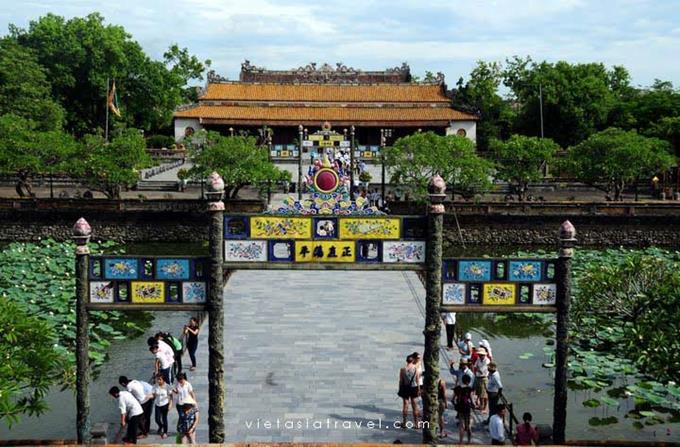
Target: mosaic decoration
<point>325,228</point>
<point>499,294</point>
<point>245,251</point>
<point>404,251</point>
<point>325,251</point>
<point>377,228</point>
<point>146,292</point>
<point>194,293</point>
<point>544,294</point>
<point>525,270</point>
<point>474,271</point>
<point>121,268</point>
<point>499,282</point>
<point>328,184</point>
<point>235,227</point>
<point>281,251</point>
<point>368,239</point>
<point>155,281</point>
<point>172,269</point>
<point>101,291</point>
<point>266,227</point>
<point>453,294</point>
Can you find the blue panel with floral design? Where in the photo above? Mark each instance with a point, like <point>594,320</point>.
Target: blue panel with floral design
<point>474,270</point>
<point>121,268</point>
<point>172,269</point>
<point>524,270</point>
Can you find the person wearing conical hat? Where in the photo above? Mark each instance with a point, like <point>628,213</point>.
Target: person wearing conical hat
<point>188,420</point>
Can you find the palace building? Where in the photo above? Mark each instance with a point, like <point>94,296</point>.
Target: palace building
<point>371,101</point>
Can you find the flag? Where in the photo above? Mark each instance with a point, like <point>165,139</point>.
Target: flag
<point>112,100</point>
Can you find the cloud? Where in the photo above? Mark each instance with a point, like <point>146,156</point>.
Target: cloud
<point>437,35</point>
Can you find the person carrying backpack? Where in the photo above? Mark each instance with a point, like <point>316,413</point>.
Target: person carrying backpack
<point>177,349</point>
<point>409,390</point>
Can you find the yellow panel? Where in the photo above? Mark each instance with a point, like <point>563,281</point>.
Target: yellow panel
<point>325,251</point>
<point>370,228</point>
<point>265,227</point>
<point>337,137</point>
<point>147,292</point>
<point>325,143</point>
<point>499,294</point>
<point>367,154</point>
<point>315,138</point>
<point>285,153</point>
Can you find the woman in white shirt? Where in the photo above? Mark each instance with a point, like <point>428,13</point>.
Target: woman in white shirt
<point>183,389</point>
<point>161,395</point>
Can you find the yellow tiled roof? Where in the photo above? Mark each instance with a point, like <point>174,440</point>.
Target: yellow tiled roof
<point>325,92</point>
<point>321,114</point>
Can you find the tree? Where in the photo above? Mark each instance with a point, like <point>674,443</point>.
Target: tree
<point>480,94</point>
<point>614,158</point>
<point>414,159</point>
<point>29,362</point>
<point>187,68</point>
<point>27,152</point>
<point>238,159</point>
<point>24,88</point>
<point>577,98</point>
<point>521,158</point>
<point>110,167</point>
<point>79,55</point>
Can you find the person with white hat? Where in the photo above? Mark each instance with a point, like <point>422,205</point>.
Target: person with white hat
<point>481,368</point>
<point>486,345</point>
<point>465,347</point>
<point>188,420</point>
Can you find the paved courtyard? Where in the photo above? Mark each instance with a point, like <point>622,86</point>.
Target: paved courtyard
<point>314,356</point>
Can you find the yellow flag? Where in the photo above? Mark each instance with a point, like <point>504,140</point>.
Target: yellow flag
<point>113,100</point>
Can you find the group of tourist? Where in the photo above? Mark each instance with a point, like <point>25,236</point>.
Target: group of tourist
<point>477,386</point>
<point>137,399</point>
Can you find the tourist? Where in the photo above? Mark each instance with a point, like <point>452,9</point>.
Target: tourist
<point>526,434</point>
<point>449,319</point>
<point>161,395</point>
<point>481,379</point>
<point>142,392</point>
<point>188,421</point>
<point>418,362</point>
<point>130,413</point>
<point>163,363</point>
<point>486,345</point>
<point>441,396</point>
<point>183,389</point>
<point>176,347</point>
<point>191,332</point>
<point>494,389</point>
<point>465,347</point>
<point>497,426</point>
<point>409,390</point>
<point>462,403</point>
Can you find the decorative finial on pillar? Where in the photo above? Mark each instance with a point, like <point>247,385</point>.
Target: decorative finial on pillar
<point>567,239</point>
<point>81,235</point>
<point>215,190</point>
<point>437,192</point>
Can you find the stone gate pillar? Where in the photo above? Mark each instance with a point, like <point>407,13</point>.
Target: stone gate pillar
<point>433,290</point>
<point>215,190</point>
<point>81,235</point>
<point>563,279</point>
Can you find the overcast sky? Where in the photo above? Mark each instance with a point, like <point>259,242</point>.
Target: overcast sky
<point>447,36</point>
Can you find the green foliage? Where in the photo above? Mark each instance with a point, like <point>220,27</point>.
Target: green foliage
<point>520,160</point>
<point>238,159</point>
<point>480,93</point>
<point>577,98</point>
<point>365,177</point>
<point>24,88</point>
<point>81,53</point>
<point>414,159</point>
<point>185,67</point>
<point>26,151</point>
<point>613,158</point>
<point>109,167</point>
<point>29,362</point>
<point>160,141</point>
<point>39,279</point>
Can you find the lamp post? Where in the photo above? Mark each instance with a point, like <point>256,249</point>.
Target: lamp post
<point>269,156</point>
<point>301,136</point>
<point>384,135</point>
<point>352,145</point>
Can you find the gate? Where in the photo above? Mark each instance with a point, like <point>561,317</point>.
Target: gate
<point>326,232</point>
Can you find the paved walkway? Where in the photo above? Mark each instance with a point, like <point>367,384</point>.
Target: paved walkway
<point>314,356</point>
